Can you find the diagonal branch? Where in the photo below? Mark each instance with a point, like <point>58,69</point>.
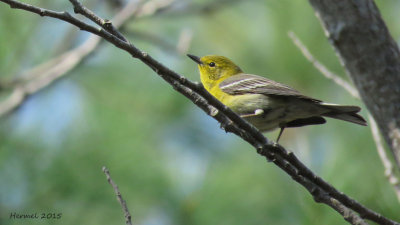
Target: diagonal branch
<point>324,71</point>
<point>106,24</point>
<point>122,202</point>
<point>350,209</point>
<point>387,164</point>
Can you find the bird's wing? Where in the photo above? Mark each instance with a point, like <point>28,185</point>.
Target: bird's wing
<point>253,84</point>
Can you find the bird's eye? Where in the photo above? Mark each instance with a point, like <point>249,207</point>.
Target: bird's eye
<point>211,64</point>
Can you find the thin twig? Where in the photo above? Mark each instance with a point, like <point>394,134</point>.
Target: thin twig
<point>319,66</point>
<point>231,122</point>
<point>18,95</point>
<point>122,202</point>
<point>387,164</point>
<point>389,169</point>
<point>106,24</point>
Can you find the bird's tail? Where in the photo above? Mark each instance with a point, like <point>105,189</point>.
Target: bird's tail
<point>344,112</point>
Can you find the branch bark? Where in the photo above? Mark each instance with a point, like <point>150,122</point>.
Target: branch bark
<point>387,164</point>
<point>322,69</point>
<point>122,202</point>
<point>370,56</point>
<point>351,210</point>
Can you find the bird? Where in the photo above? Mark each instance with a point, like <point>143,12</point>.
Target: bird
<point>266,104</point>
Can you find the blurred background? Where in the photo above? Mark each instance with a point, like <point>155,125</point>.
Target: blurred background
<point>172,163</point>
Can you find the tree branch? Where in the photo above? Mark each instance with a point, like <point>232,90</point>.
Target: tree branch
<point>322,69</point>
<point>122,202</point>
<point>231,122</point>
<point>105,24</point>
<point>389,171</point>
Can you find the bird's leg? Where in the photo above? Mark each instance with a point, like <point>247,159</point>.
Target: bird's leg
<point>280,133</point>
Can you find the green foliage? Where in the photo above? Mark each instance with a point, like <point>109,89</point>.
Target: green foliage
<point>172,163</point>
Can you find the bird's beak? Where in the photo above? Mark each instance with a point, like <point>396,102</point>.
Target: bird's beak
<point>195,58</point>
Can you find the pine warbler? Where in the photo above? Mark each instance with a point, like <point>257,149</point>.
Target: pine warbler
<point>265,103</point>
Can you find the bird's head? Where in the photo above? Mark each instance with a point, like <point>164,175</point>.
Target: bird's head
<point>214,67</point>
